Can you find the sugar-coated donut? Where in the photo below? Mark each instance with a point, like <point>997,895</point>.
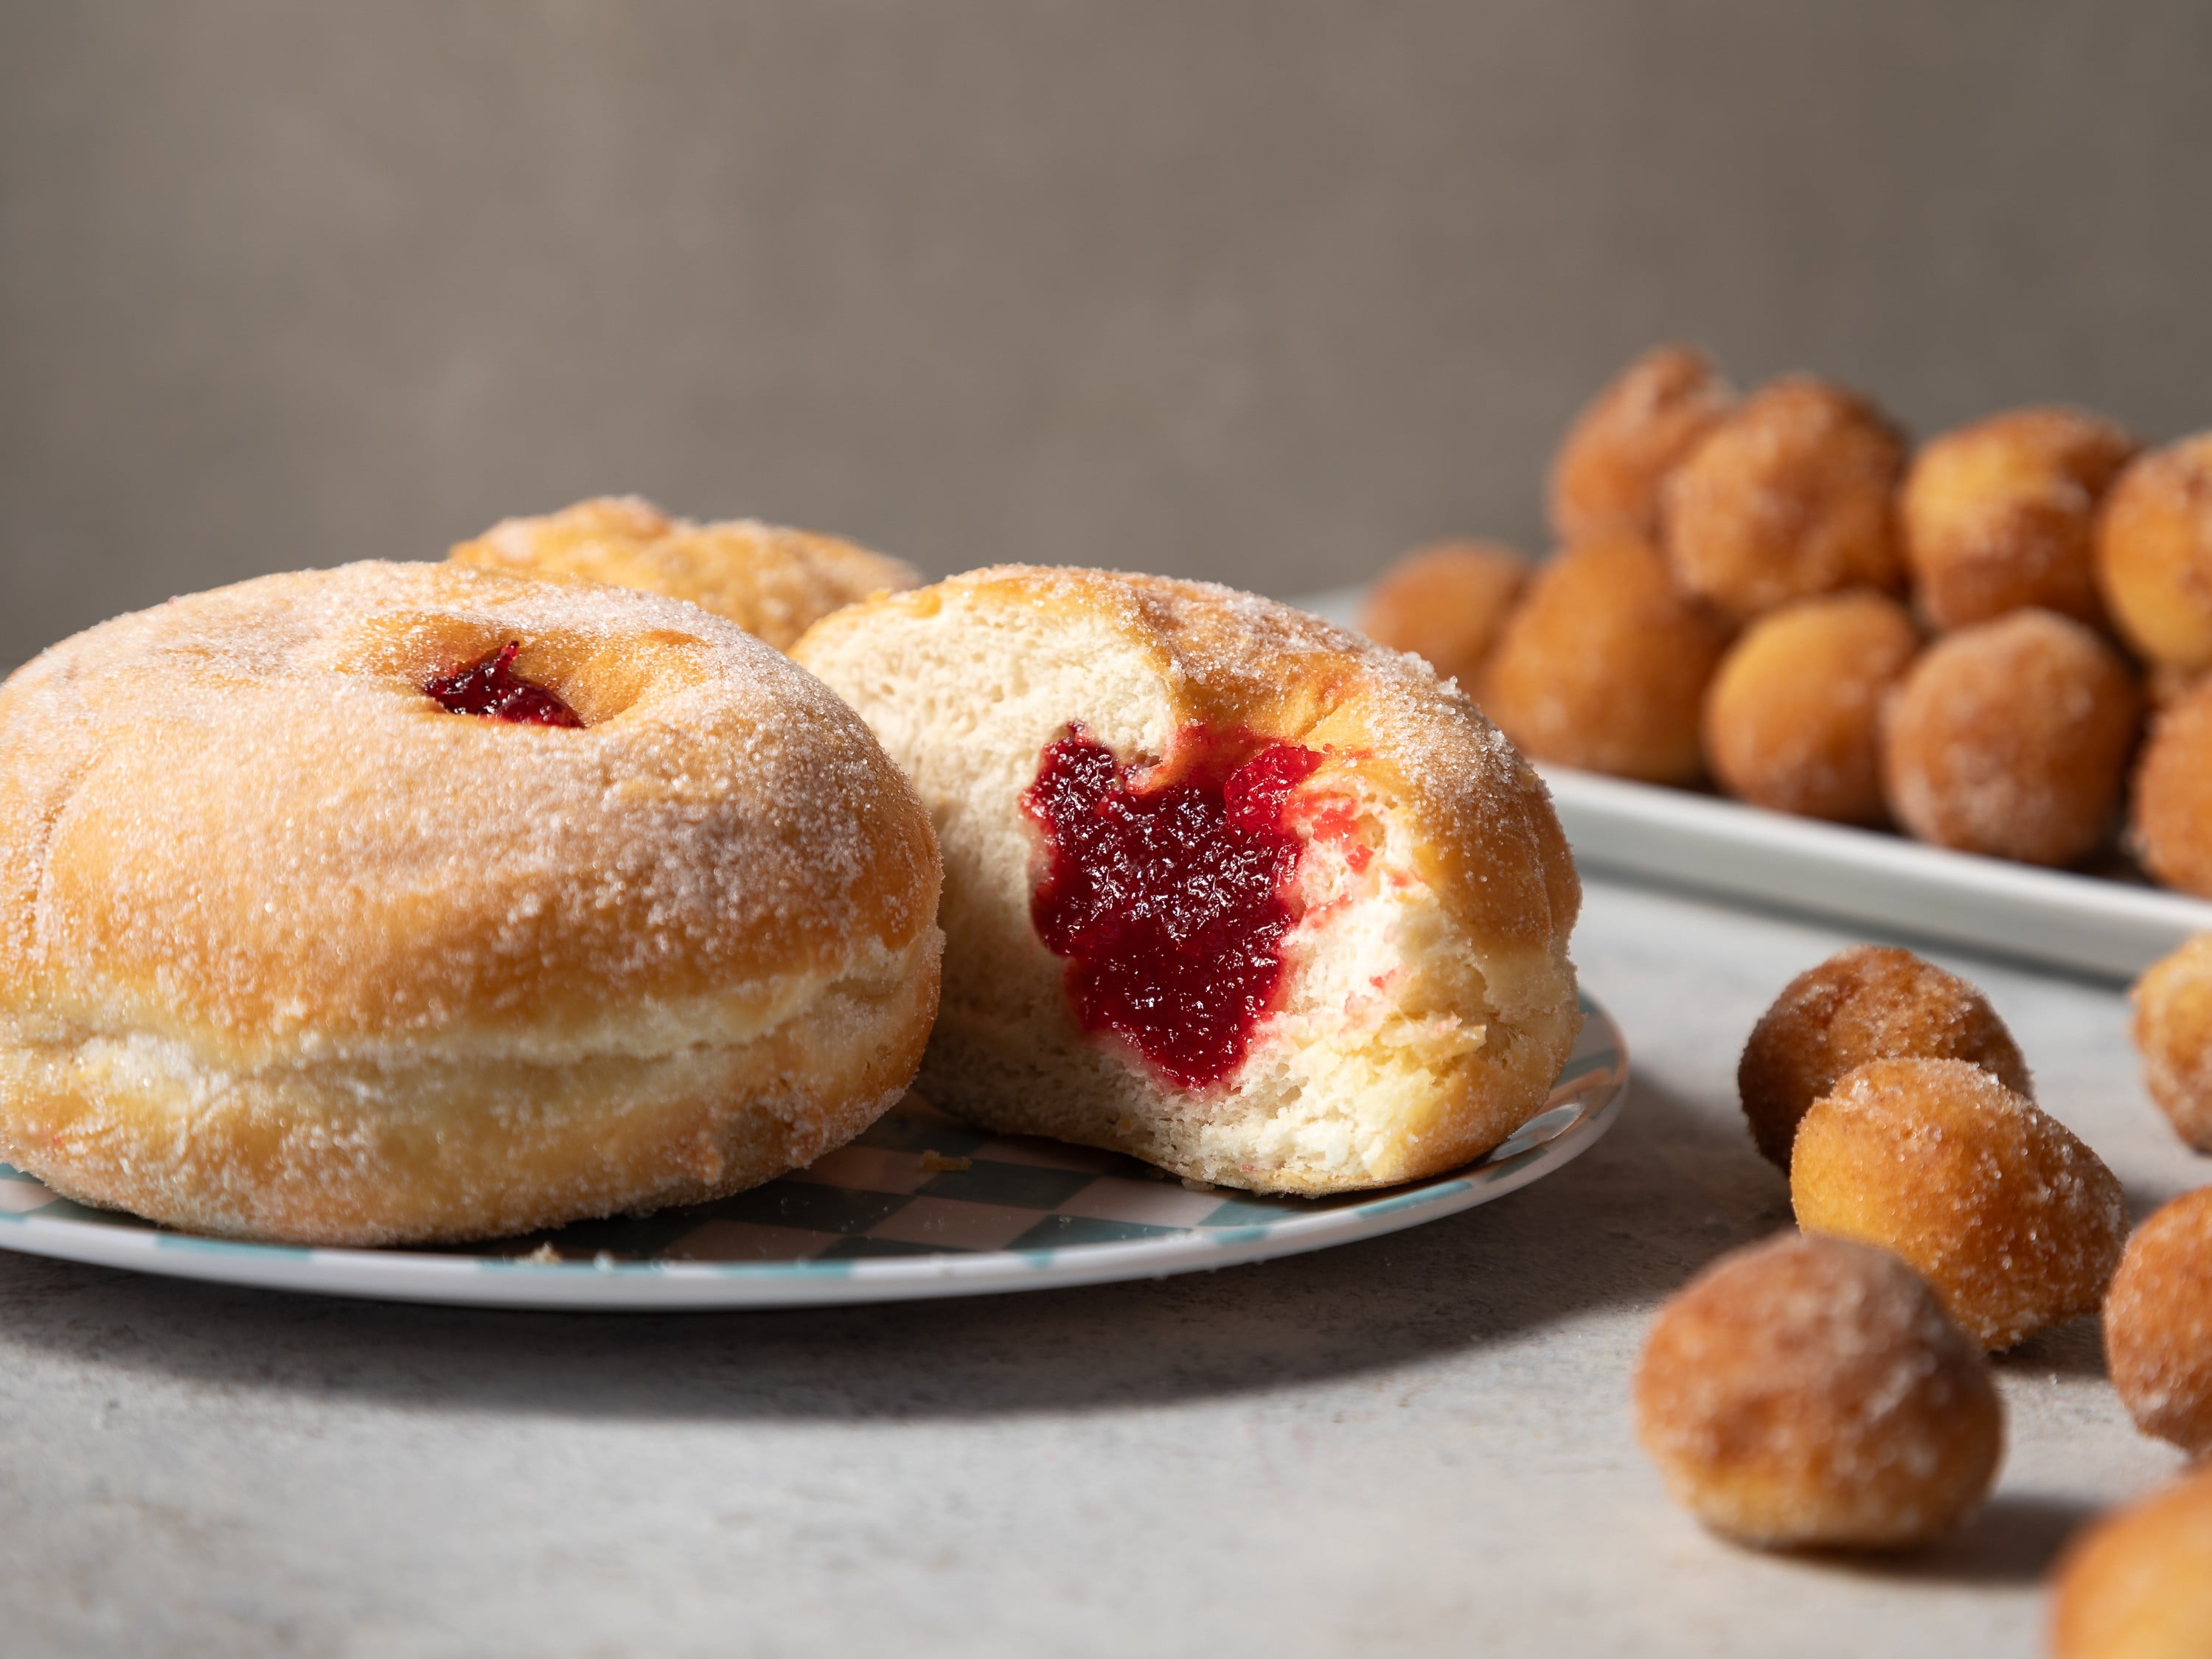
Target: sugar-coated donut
<point>2154,553</point>
<point>1792,720</point>
<point>1811,1393</point>
<point>1787,497</point>
<point>2158,1324</point>
<point>2012,738</point>
<point>290,952</point>
<point>1869,1002</point>
<point>2002,513</point>
<point>770,580</point>
<point>1606,475</point>
<point>1446,603</point>
<point>2171,820</point>
<point>2173,1034</point>
<point>2138,1584</point>
<point>1605,665</point>
<point>2014,1221</point>
<point>1226,888</point>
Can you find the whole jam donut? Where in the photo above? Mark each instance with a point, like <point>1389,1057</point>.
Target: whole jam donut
<point>1446,603</point>
<point>1226,888</point>
<point>2012,739</point>
<point>2158,1324</point>
<point>1605,665</point>
<point>410,901</point>
<point>2003,514</point>
<point>1870,1002</point>
<point>1789,496</point>
<point>2154,553</point>
<point>2014,1222</point>
<point>1606,475</point>
<point>772,581</point>
<point>1811,1393</point>
<point>2170,822</point>
<point>1792,719</point>
<point>2138,1584</point>
<point>2173,1035</point>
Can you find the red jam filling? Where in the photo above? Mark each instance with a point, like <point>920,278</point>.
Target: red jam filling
<point>1169,901</point>
<point>490,687</point>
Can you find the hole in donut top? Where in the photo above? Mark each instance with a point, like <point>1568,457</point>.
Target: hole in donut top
<point>1168,888</point>
<point>490,687</point>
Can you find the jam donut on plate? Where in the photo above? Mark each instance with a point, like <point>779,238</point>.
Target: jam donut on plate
<point>410,901</point>
<point>1226,888</point>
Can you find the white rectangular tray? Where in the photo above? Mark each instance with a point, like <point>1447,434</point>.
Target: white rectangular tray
<point>2094,925</point>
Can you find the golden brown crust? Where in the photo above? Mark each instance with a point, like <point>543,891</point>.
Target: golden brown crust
<point>1870,1002</point>
<point>237,843</point>
<point>1792,719</point>
<point>1607,477</point>
<point>2172,818</point>
<point>1790,496</point>
<point>1605,665</point>
<point>2154,553</point>
<point>2014,1221</point>
<point>1808,1392</point>
<point>2135,1586</point>
<point>1446,604</point>
<point>2012,739</point>
<point>2001,514</point>
<point>2172,1032</point>
<point>2158,1324</point>
<point>772,581</point>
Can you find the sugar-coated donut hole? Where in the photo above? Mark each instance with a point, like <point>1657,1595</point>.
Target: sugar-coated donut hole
<point>2001,514</point>
<point>2134,1585</point>
<point>1811,1393</point>
<point>2172,1032</point>
<point>2158,1324</point>
<point>1605,665</point>
<point>2170,822</point>
<point>2012,739</point>
<point>1446,603</point>
<point>1870,1002</point>
<point>2015,1223</point>
<point>1792,717</point>
<point>1607,473</point>
<point>1789,496</point>
<point>2154,553</point>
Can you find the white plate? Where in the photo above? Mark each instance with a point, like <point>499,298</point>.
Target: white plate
<point>919,1206</point>
<point>2105,926</point>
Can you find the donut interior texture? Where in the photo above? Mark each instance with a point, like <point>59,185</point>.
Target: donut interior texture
<point>288,951</point>
<point>1425,1001</point>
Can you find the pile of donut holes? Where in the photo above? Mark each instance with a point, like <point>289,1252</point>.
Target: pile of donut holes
<point>1997,642</point>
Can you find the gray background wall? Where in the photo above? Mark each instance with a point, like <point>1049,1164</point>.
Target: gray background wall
<point>1247,289</point>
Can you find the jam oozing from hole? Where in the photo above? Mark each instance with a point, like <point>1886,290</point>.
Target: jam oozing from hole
<point>490,687</point>
<point>1170,901</point>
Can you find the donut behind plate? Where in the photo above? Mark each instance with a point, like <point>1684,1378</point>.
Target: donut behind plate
<point>1226,888</point>
<point>288,950</point>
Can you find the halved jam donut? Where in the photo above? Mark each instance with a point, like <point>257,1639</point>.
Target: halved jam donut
<point>1226,887</point>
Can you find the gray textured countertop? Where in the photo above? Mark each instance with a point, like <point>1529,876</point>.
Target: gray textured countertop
<point>1416,1445</point>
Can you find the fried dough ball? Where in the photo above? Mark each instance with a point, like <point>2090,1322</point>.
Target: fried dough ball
<point>2014,1221</point>
<point>1789,496</point>
<point>2002,513</point>
<point>2012,738</point>
<point>2138,1584</point>
<point>2172,823</point>
<point>1809,1392</point>
<point>2154,553</point>
<point>1604,666</point>
<point>1606,474</point>
<point>2158,1324</point>
<point>1870,1002</point>
<point>2173,1035</point>
<point>1792,719</point>
<point>1446,602</point>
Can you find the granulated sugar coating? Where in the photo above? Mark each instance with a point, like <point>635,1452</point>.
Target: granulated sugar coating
<point>2158,1324</point>
<point>2014,1221</point>
<point>2172,817</point>
<point>1809,1392</point>
<point>2154,553</point>
<point>2012,739</point>
<point>1607,477</point>
<point>1870,1002</point>
<point>2173,1034</point>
